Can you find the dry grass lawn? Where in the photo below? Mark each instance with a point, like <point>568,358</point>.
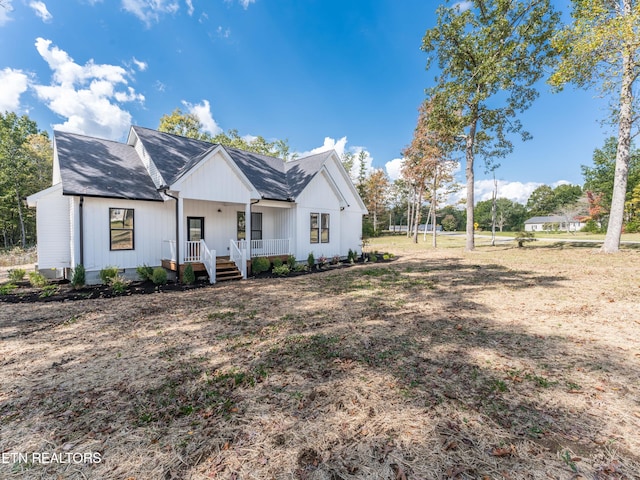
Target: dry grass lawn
<point>503,363</point>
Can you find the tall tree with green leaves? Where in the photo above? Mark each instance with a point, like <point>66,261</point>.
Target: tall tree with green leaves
<point>489,57</point>
<point>601,48</point>
<point>188,125</point>
<point>25,168</point>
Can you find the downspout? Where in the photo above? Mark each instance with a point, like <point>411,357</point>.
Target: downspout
<point>165,189</point>
<point>81,215</point>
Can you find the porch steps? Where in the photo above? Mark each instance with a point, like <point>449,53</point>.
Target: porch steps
<point>227,270</point>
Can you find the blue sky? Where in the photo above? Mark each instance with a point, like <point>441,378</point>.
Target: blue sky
<point>347,75</point>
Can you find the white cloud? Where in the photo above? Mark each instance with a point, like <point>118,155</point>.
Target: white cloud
<point>5,10</point>
<point>245,3</point>
<point>223,32</point>
<point>203,112</point>
<point>393,168</point>
<point>14,83</point>
<point>149,11</point>
<point>483,189</point>
<point>190,8</point>
<point>88,96</point>
<point>142,66</point>
<point>462,6</point>
<point>159,86</point>
<point>41,10</point>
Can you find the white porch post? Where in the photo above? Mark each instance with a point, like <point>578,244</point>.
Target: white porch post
<point>181,235</point>
<point>247,227</point>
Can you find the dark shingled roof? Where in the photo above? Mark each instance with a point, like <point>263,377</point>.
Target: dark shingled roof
<point>273,178</point>
<point>172,154</point>
<point>94,167</point>
<point>102,168</point>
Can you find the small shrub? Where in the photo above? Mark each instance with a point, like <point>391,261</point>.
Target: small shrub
<point>107,274</point>
<point>335,260</point>
<point>524,237</point>
<point>291,262</point>
<point>159,276</point>
<point>7,288</point>
<point>322,261</point>
<point>48,291</point>
<point>277,262</point>
<point>78,279</point>
<point>632,227</point>
<point>311,260</point>
<point>373,257</point>
<point>300,267</point>
<point>282,270</point>
<point>17,274</point>
<point>37,280</point>
<point>260,264</point>
<point>386,256</point>
<point>119,284</point>
<point>188,277</point>
<point>145,272</point>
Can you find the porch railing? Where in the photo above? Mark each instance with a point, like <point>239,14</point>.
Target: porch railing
<point>271,247</point>
<point>208,258</point>
<point>192,251</point>
<point>239,257</point>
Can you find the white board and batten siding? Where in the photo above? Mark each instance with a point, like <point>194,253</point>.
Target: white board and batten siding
<point>53,223</point>
<point>153,223</point>
<point>318,198</point>
<point>214,180</point>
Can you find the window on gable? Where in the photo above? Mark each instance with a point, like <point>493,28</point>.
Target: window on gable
<point>121,229</point>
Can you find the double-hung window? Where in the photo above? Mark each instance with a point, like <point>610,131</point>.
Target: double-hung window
<point>121,229</point>
<point>319,228</point>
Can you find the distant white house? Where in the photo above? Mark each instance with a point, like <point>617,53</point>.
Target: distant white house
<point>166,200</point>
<point>550,223</point>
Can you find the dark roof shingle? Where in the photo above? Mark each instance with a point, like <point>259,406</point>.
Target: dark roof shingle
<point>102,168</point>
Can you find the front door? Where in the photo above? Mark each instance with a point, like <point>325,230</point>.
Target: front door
<point>195,229</point>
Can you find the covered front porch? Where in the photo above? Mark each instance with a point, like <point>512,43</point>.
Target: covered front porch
<point>223,267</point>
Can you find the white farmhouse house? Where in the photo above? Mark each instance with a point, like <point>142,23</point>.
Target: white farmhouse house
<point>165,200</point>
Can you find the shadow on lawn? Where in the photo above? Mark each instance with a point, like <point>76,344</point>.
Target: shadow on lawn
<point>416,322</point>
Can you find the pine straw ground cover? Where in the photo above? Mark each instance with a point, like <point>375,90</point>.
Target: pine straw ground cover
<point>503,363</point>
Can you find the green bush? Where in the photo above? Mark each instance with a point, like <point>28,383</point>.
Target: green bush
<point>282,270</point>
<point>7,288</point>
<point>145,272</point>
<point>159,276</point>
<point>311,260</point>
<point>36,279</point>
<point>17,274</point>
<point>373,257</point>
<point>291,262</point>
<point>277,262</point>
<point>48,291</point>
<point>335,260</point>
<point>632,227</point>
<point>119,284</point>
<point>78,279</point>
<point>524,237</point>
<point>386,257</point>
<point>107,274</point>
<point>188,276</point>
<point>591,227</point>
<point>260,264</point>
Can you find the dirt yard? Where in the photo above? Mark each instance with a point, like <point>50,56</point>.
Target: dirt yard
<point>504,363</point>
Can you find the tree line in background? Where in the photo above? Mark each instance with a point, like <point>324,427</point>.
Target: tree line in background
<point>490,55</point>
<point>26,157</point>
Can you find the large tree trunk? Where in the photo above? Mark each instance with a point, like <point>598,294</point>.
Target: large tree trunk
<point>470,243</point>
<point>616,216</point>
<point>418,211</point>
